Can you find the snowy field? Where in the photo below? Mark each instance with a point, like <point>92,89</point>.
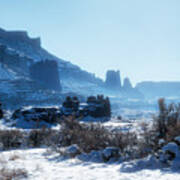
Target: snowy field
<point>41,165</point>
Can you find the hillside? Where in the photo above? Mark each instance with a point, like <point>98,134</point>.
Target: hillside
<point>31,73</point>
<point>20,42</point>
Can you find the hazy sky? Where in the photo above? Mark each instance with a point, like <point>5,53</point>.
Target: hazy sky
<point>141,38</point>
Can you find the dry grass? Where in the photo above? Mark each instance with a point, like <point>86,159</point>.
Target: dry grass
<point>90,137</point>
<point>44,136</point>
<point>13,139</point>
<point>14,157</point>
<point>94,137</point>
<point>10,139</point>
<point>13,174</point>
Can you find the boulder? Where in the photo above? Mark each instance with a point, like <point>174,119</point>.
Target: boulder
<point>169,152</point>
<point>49,115</point>
<point>177,140</point>
<point>73,150</point>
<point>110,152</point>
<point>46,73</point>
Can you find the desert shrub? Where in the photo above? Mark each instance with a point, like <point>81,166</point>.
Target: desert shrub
<point>148,141</point>
<point>86,137</point>
<point>44,136</point>
<point>173,131</point>
<point>167,123</point>
<point>11,138</point>
<point>166,126</point>
<point>93,136</point>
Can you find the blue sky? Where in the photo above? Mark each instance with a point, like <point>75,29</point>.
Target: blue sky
<point>141,38</point>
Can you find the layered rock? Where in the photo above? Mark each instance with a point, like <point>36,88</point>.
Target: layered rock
<point>10,59</point>
<point>46,73</point>
<point>73,78</point>
<point>15,37</point>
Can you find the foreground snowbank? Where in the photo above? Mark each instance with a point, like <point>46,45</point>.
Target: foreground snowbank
<point>42,165</point>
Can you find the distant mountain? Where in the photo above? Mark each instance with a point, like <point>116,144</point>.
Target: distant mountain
<point>30,74</point>
<point>159,89</point>
<point>19,43</point>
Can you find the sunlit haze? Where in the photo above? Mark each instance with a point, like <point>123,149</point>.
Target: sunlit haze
<point>140,38</point>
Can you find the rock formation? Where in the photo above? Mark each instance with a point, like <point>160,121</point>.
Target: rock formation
<point>12,60</point>
<point>113,80</point>
<point>129,91</point>
<point>127,84</point>
<point>14,37</point>
<point>46,72</point>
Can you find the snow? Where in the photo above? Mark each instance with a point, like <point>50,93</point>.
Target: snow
<point>161,142</point>
<point>42,165</point>
<point>73,149</point>
<point>177,139</point>
<point>6,74</point>
<point>110,152</point>
<point>171,147</point>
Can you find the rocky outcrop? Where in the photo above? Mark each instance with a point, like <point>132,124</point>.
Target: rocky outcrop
<point>96,107</point>
<point>47,74</point>
<point>129,91</point>
<point>127,84</point>
<point>49,115</point>
<point>19,36</point>
<point>12,60</point>
<point>113,80</point>
<point>20,42</point>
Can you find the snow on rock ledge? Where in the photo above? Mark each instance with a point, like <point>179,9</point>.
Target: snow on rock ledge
<point>110,152</point>
<point>172,148</point>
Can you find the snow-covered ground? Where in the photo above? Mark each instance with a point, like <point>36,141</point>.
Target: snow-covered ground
<point>41,165</point>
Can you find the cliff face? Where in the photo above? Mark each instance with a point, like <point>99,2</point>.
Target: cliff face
<point>113,80</point>
<point>46,73</point>
<point>12,60</point>
<point>18,37</point>
<point>22,58</point>
<point>31,48</point>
